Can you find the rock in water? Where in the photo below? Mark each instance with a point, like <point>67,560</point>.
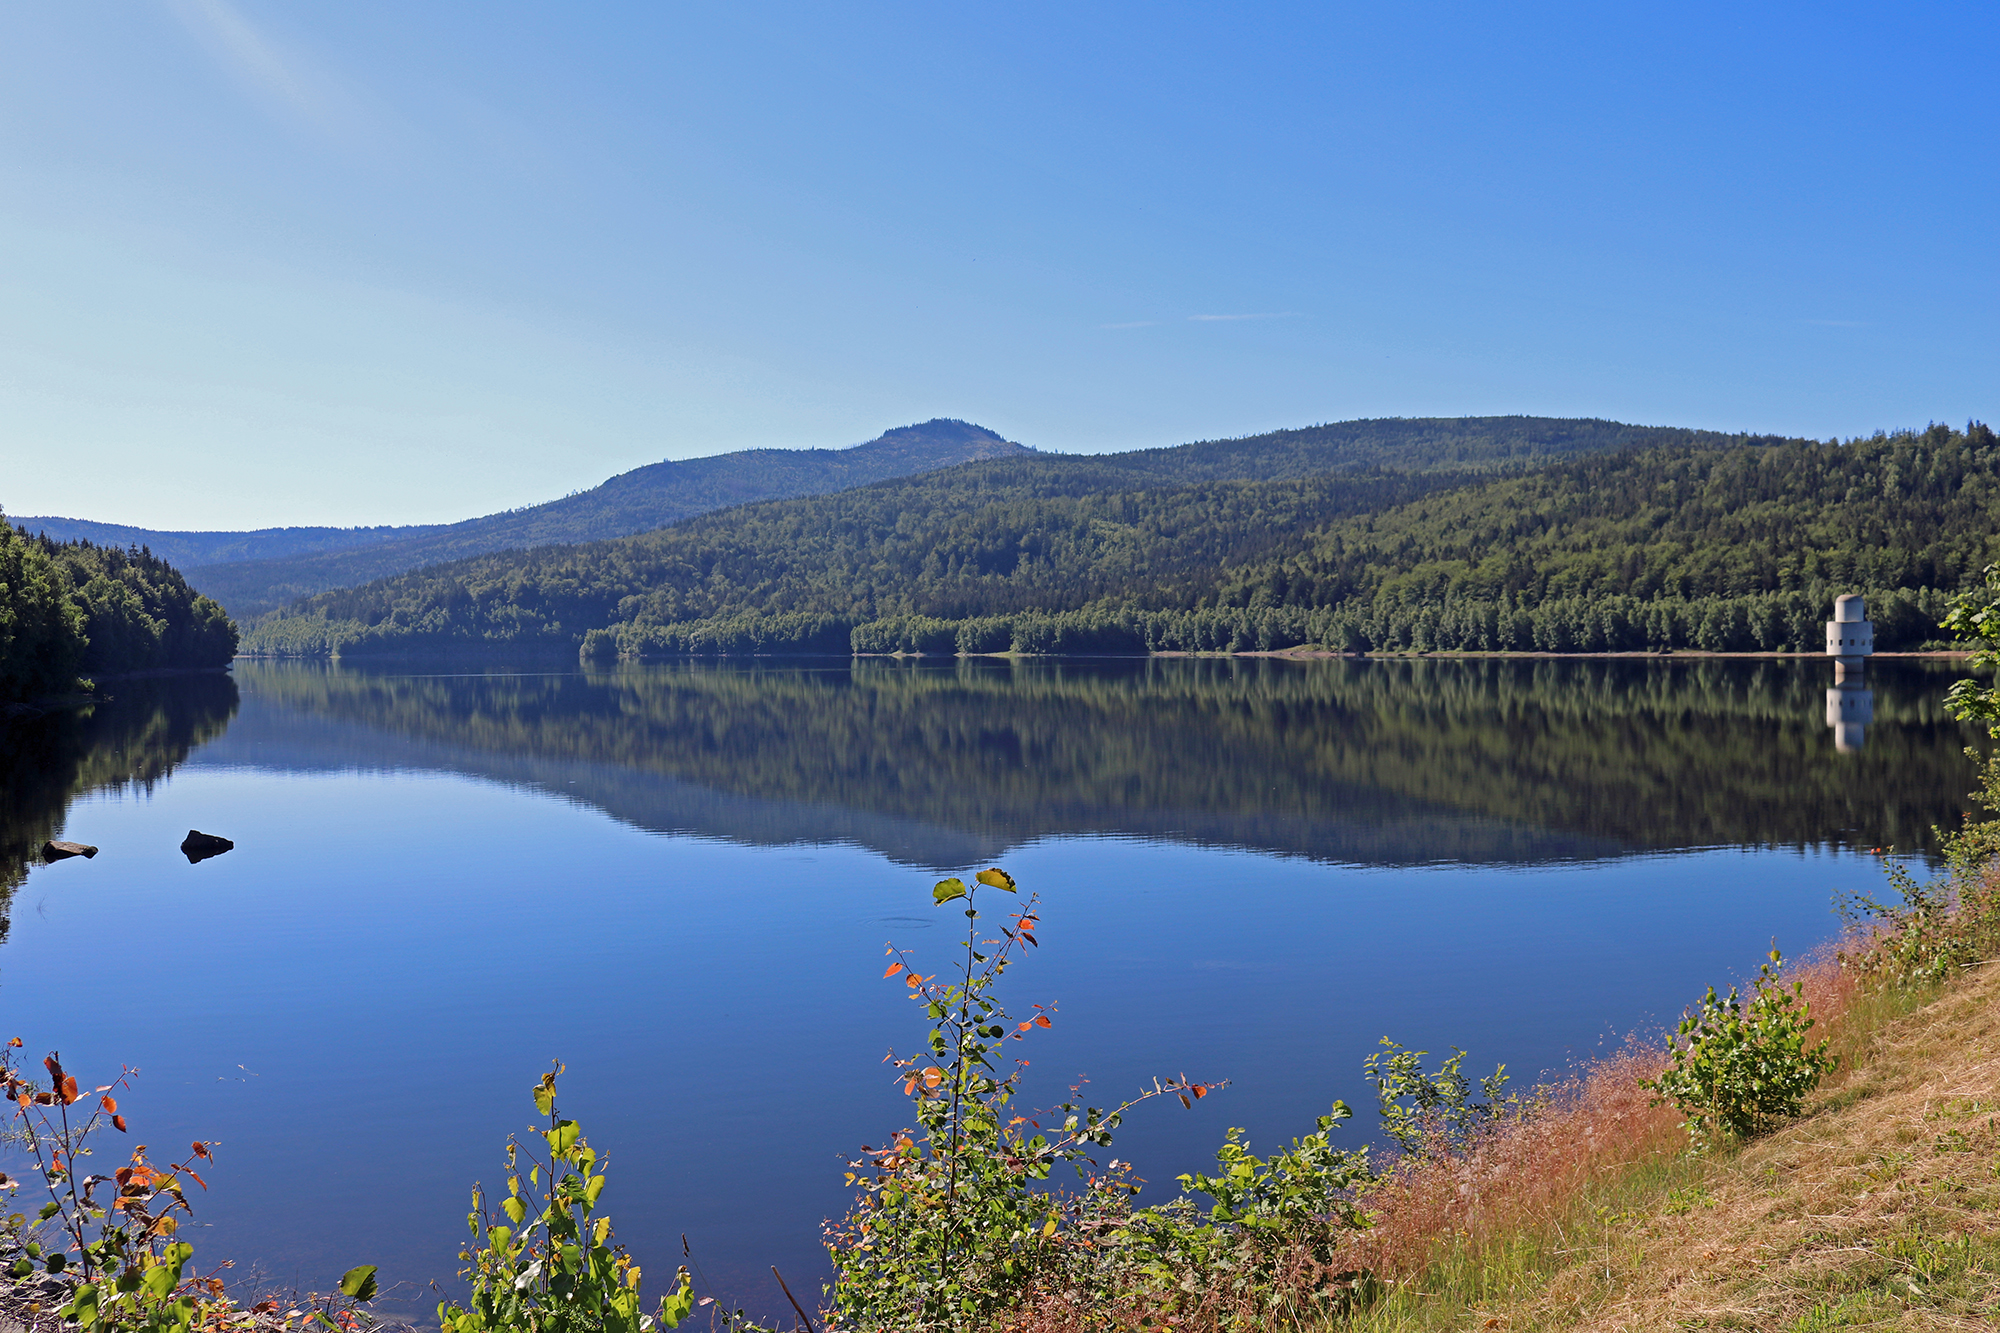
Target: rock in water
<point>63,851</point>
<point>199,846</point>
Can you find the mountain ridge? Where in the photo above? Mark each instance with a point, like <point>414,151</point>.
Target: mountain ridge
<point>250,577</point>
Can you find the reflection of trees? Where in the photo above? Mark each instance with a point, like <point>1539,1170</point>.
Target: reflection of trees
<point>1628,753</point>
<point>135,738</point>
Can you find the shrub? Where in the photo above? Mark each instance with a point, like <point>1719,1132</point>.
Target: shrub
<point>948,1228</point>
<point>560,1272</point>
<point>1733,1070</point>
<point>132,1270</point>
<point>1433,1114</point>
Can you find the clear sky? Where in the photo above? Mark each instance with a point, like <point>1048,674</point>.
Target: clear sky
<point>398,262</point>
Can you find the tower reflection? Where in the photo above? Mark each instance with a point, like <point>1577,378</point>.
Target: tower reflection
<point>1850,704</point>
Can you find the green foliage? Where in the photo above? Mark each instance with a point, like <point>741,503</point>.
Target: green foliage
<point>1432,1115</point>
<point>1974,618</point>
<point>286,565</point>
<point>948,1227</point>
<point>1715,544</point>
<point>551,1266</point>
<point>41,625</point>
<point>1266,1219</point>
<point>120,1230</point>
<point>1734,1071</point>
<point>71,607</point>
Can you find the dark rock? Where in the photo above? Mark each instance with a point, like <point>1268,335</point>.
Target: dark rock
<point>198,846</point>
<point>62,851</point>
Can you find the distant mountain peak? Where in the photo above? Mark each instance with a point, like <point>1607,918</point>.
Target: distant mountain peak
<point>939,430</point>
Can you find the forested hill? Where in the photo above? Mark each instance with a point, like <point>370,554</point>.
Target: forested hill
<point>254,572</point>
<point>68,608</point>
<point>1022,553</point>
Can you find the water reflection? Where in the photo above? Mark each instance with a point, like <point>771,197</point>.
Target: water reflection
<point>1360,762</point>
<point>132,739</point>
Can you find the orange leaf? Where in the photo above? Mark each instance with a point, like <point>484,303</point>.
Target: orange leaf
<point>118,1123</point>
<point>110,1105</point>
<point>1041,1020</point>
<point>15,1042</point>
<point>913,981</point>
<point>1024,1027</point>
<point>894,968</point>
<point>1200,1091</point>
<point>69,1092</point>
<point>910,1086</point>
<point>200,1149</point>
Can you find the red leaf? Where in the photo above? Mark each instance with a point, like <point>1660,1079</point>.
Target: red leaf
<point>200,1149</point>
<point>118,1123</point>
<point>110,1105</point>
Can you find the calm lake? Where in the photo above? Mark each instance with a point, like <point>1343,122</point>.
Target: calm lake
<point>679,881</point>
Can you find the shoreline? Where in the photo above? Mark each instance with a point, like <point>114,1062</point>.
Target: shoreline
<point>500,654</point>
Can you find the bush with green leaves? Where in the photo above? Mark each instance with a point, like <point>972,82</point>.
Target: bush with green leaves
<point>1266,1217</point>
<point>952,1224</point>
<point>1735,1070</point>
<point>552,1266</point>
<point>1431,1115</point>
<point>117,1233</point>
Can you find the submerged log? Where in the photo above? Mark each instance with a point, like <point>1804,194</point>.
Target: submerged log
<point>198,846</point>
<point>62,851</point>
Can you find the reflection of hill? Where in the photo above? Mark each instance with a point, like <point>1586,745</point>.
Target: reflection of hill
<point>134,738</point>
<point>1378,762</point>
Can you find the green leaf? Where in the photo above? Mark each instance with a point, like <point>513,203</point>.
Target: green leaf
<point>158,1282</point>
<point>359,1283</point>
<point>50,1209</point>
<point>515,1210</point>
<point>946,890</point>
<point>996,878</point>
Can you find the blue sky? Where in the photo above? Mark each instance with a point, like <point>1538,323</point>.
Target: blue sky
<point>375,262</point>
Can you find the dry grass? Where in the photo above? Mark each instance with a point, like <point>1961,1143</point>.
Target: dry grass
<point>1880,1208</point>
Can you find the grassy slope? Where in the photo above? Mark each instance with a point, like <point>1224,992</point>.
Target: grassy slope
<point>1880,1208</point>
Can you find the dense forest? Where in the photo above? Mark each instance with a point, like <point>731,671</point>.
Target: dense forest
<point>68,608</point>
<point>253,572</point>
<point>1730,547</point>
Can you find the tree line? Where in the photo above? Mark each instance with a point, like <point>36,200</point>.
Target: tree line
<point>70,608</point>
<point>1737,547</point>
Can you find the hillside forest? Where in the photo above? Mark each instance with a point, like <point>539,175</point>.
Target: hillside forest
<point>74,608</point>
<point>1705,542</point>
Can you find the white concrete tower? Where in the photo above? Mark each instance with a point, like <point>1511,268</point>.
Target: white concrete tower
<point>1849,634</point>
<point>1850,641</point>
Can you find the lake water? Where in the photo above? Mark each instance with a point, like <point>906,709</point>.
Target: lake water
<point>679,881</point>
